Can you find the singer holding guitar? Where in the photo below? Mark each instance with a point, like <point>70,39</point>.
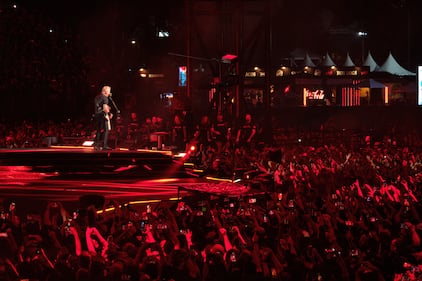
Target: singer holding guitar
<point>102,118</point>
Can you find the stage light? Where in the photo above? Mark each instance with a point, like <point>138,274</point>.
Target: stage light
<point>197,170</point>
<point>163,34</point>
<point>147,167</point>
<point>192,148</point>
<point>87,143</point>
<point>143,72</point>
<point>228,58</point>
<point>133,42</point>
<point>218,179</point>
<point>164,180</point>
<point>180,155</point>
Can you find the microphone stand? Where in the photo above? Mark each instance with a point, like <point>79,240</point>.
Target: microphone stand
<point>118,117</point>
<point>115,105</point>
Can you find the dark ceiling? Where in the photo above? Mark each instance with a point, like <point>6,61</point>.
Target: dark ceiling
<point>320,26</point>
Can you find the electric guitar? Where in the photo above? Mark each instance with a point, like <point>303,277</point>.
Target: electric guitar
<point>108,117</point>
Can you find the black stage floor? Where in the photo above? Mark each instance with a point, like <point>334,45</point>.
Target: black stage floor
<point>86,162</point>
<point>67,173</point>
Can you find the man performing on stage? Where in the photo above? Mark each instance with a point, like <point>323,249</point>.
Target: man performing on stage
<point>102,118</point>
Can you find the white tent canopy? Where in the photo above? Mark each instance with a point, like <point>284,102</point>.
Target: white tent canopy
<point>299,54</point>
<point>349,62</point>
<point>301,57</point>
<point>393,67</point>
<point>328,62</point>
<point>308,61</point>
<point>371,63</point>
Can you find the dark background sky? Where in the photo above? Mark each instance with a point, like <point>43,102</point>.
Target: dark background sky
<point>102,31</point>
<point>392,25</point>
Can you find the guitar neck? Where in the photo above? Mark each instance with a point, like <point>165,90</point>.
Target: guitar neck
<point>108,124</point>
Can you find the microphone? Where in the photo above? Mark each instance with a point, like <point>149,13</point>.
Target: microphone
<point>114,104</point>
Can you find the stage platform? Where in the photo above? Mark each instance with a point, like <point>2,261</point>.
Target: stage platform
<point>66,173</point>
<point>85,162</point>
<point>33,177</point>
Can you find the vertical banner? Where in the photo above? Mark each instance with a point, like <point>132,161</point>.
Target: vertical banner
<point>183,76</point>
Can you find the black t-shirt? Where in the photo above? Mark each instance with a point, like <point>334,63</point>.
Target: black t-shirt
<point>246,131</point>
<point>100,100</point>
<point>178,130</point>
<point>222,128</point>
<point>203,133</point>
<point>133,127</point>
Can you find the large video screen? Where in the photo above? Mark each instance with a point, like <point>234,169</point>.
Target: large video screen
<point>420,85</point>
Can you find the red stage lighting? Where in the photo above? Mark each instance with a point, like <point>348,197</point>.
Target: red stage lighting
<point>228,58</point>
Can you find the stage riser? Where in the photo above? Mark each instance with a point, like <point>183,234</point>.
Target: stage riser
<point>91,164</point>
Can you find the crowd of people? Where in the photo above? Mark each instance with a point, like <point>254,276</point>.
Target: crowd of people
<point>128,132</point>
<point>338,211</point>
<point>321,205</point>
<point>27,134</point>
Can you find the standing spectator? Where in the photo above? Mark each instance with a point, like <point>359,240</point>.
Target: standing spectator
<point>133,130</point>
<point>220,133</point>
<point>246,133</point>
<point>202,134</point>
<point>179,133</point>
